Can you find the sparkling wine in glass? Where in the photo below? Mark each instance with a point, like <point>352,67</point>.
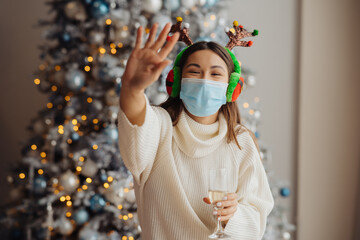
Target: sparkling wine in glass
<point>218,188</point>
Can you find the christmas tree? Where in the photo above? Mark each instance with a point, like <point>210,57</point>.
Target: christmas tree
<point>71,182</point>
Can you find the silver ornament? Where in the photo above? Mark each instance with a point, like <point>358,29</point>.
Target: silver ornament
<point>89,168</point>
<point>65,227</point>
<point>69,181</point>
<point>151,6</point>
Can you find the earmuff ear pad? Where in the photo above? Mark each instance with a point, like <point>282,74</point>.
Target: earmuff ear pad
<point>170,82</point>
<point>233,83</point>
<point>237,89</point>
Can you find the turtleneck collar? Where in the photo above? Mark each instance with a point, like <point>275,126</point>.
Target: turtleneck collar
<point>196,139</point>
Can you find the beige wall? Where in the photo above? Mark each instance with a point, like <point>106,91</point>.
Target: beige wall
<point>274,59</point>
<point>329,142</point>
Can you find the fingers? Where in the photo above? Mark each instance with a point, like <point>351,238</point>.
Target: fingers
<point>138,38</point>
<point>151,38</point>
<point>169,45</point>
<point>162,37</point>
<point>160,67</point>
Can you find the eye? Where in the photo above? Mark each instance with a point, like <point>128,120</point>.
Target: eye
<point>193,72</point>
<point>216,74</point>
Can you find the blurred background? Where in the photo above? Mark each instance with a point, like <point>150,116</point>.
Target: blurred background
<point>306,61</point>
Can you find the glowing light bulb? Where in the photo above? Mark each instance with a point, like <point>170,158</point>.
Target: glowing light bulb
<point>108,21</point>
<point>102,50</point>
<point>49,105</point>
<point>37,81</point>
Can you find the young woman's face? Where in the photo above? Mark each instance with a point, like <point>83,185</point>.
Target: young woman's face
<point>205,64</point>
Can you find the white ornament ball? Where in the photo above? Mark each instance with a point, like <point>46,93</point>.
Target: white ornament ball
<point>286,236</point>
<point>69,181</point>
<point>115,193</point>
<point>130,196</point>
<point>65,227</point>
<point>89,168</point>
<point>188,3</point>
<point>151,6</point>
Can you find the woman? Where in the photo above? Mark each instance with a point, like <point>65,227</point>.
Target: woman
<point>169,149</point>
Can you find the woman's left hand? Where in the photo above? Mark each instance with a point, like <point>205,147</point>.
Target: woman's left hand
<point>230,207</point>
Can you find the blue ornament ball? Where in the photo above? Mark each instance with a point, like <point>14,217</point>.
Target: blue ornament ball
<point>97,203</point>
<point>81,216</point>
<point>103,177</point>
<point>211,3</point>
<point>99,8</point>
<point>112,133</point>
<point>39,184</point>
<point>66,37</point>
<point>285,192</point>
<point>256,134</point>
<point>174,4</point>
<point>75,79</point>
<point>75,136</point>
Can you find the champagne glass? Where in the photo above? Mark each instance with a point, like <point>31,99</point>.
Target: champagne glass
<point>218,188</point>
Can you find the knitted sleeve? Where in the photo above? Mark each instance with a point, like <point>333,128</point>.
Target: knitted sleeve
<point>139,144</point>
<point>255,200</point>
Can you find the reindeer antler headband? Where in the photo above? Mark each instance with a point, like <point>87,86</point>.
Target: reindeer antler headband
<point>235,35</point>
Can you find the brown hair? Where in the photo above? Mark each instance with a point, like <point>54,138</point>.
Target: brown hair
<point>174,106</point>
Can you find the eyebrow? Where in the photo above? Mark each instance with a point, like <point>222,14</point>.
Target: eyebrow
<point>197,65</point>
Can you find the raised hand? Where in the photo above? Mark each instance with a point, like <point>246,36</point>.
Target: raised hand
<point>145,64</point>
<point>144,67</point>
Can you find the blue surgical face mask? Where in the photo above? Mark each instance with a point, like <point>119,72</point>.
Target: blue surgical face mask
<point>203,97</point>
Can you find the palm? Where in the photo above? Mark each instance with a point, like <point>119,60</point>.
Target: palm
<point>146,64</point>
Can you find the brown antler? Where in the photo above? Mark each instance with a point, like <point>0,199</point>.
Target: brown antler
<point>184,33</point>
<point>240,33</point>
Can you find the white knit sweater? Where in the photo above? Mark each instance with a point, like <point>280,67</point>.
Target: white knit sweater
<point>170,167</point>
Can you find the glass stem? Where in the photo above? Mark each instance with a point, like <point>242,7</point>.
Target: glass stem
<point>219,225</point>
